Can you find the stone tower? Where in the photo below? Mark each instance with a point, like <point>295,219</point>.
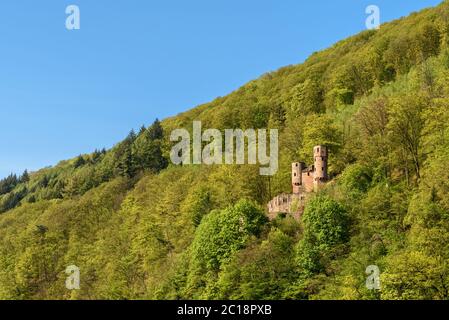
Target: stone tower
<point>297,168</point>
<point>320,164</point>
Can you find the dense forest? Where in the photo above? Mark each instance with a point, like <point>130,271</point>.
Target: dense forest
<point>139,227</point>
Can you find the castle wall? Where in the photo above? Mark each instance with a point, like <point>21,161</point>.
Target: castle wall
<point>304,181</point>
<point>307,181</point>
<point>286,203</point>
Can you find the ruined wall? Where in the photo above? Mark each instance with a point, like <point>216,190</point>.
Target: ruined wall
<point>304,181</point>
<point>292,204</point>
<point>307,181</point>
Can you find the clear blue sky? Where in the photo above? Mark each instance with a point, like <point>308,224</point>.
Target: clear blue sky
<point>63,92</point>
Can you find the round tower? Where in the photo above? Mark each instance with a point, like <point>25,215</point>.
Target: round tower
<point>297,168</point>
<point>320,162</point>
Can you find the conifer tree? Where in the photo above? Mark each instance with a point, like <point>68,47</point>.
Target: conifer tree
<point>25,177</point>
<point>79,162</point>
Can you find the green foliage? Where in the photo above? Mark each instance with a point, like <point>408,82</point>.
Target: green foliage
<point>415,276</point>
<point>356,180</point>
<point>222,233</point>
<point>141,229</point>
<point>306,98</point>
<point>326,225</point>
<point>8,184</point>
<point>79,162</point>
<point>326,221</point>
<point>198,204</point>
<point>262,271</point>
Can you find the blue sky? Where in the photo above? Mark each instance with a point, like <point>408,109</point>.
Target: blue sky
<point>63,92</point>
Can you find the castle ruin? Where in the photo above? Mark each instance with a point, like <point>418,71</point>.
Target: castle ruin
<point>305,180</point>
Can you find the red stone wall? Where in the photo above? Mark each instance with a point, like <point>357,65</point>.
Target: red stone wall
<point>307,181</point>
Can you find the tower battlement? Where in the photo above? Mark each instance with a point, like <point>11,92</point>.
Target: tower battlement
<point>309,179</point>
<point>304,180</point>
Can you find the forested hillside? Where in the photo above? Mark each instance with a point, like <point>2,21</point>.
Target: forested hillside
<point>139,227</point>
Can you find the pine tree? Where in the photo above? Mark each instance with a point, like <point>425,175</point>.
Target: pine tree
<point>125,165</point>
<point>131,136</point>
<point>25,177</point>
<point>151,155</point>
<point>79,162</point>
<point>156,132</point>
<point>96,156</point>
<point>8,184</point>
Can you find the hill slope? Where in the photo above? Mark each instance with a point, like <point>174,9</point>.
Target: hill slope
<point>138,227</point>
